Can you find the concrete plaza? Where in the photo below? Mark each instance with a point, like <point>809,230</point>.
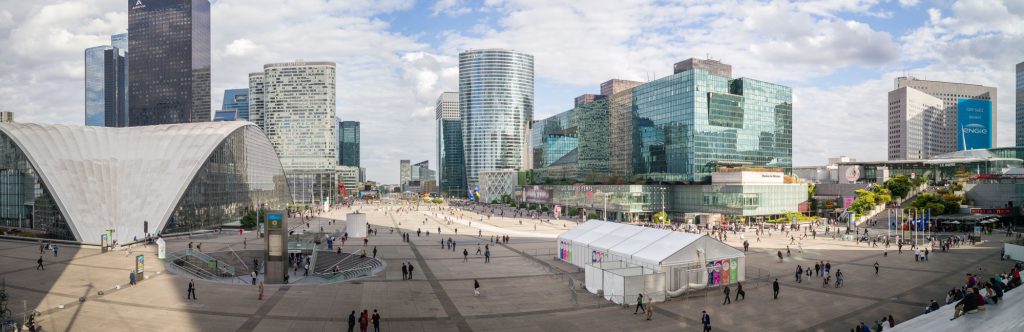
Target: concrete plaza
<point>522,289</point>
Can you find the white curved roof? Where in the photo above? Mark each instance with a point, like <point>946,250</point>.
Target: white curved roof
<point>116,178</point>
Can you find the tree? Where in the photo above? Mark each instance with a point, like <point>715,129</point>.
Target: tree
<point>249,220</point>
<point>660,217</point>
<point>899,186</point>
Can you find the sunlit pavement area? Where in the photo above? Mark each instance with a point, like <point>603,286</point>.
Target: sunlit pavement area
<point>522,289</point>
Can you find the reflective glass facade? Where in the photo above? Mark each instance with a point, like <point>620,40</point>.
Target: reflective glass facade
<point>95,96</point>
<point>496,108</point>
<point>451,162</point>
<point>169,79</point>
<point>592,120</point>
<point>237,99</point>
<point>688,123</point>
<point>348,143</point>
<point>554,138</point>
<point>25,201</point>
<point>242,173</point>
<point>451,166</point>
<point>1020,104</point>
<point>620,135</point>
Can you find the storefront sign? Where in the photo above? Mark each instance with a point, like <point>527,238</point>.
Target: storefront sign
<point>1001,211</point>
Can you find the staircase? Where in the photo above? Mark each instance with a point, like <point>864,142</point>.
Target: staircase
<point>200,265</point>
<point>345,266</point>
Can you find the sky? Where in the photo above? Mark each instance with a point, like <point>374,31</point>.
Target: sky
<point>395,57</point>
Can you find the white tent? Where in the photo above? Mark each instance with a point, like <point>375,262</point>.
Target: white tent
<point>565,240</point>
<point>594,274</point>
<point>581,253</point>
<point>683,260</point>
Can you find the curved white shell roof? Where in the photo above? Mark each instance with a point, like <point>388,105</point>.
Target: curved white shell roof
<point>116,178</point>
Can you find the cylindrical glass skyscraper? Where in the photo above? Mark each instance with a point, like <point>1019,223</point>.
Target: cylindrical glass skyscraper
<point>496,108</point>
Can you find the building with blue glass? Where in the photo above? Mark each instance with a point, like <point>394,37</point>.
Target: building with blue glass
<point>348,143</point>
<point>693,122</point>
<point>238,100</point>
<point>106,83</point>
<point>496,109</point>
<point>451,165</point>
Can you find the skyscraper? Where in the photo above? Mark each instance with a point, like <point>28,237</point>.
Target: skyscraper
<point>106,83</point>
<point>348,143</point>
<point>690,123</point>
<point>300,121</point>
<point>620,126</point>
<point>169,79</point>
<point>968,120</point>
<point>496,108</point>
<point>914,123</point>
<point>256,98</point>
<point>451,163</point>
<point>1020,105</point>
<point>404,173</point>
<point>238,100</point>
<point>95,97</point>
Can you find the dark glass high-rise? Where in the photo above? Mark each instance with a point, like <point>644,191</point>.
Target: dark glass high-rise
<point>169,76</point>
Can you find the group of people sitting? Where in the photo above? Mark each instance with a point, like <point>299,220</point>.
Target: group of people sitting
<point>977,293</point>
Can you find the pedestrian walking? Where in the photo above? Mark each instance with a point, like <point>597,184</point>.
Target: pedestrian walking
<point>374,251</point>
<point>740,292</point>
<point>876,268</point>
<point>649,310</point>
<point>261,291</point>
<point>639,303</point>
<point>775,289</point>
<point>705,320</point>
<point>131,278</point>
<point>465,255</point>
<point>726,291</point>
<point>191,290</point>
<point>410,271</point>
<point>352,321</point>
<point>39,263</point>
<point>476,288</point>
<point>487,256</point>
<point>253,274</point>
<point>405,272</point>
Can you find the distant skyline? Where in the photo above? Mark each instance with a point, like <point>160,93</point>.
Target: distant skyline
<point>395,57</point>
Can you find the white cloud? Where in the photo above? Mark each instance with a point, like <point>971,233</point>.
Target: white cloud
<point>908,3</point>
<point>241,47</point>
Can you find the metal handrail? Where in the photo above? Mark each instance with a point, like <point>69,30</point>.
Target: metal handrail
<point>342,260</point>
<point>226,268</point>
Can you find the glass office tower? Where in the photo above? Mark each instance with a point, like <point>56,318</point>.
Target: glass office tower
<point>95,96</point>
<point>169,79</point>
<point>451,163</point>
<point>237,99</point>
<point>496,108</point>
<point>689,123</point>
<point>348,143</point>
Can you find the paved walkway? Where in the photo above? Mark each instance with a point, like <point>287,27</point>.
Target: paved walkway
<point>522,289</point>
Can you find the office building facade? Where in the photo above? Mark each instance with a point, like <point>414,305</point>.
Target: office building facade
<point>348,143</point>
<point>1019,139</point>
<point>496,109</point>
<point>169,81</point>
<point>689,124</point>
<point>404,173</point>
<point>620,128</point>
<point>238,100</point>
<point>915,120</point>
<point>300,121</point>
<point>968,120</point>
<point>106,83</point>
<point>257,92</point>
<point>451,167</point>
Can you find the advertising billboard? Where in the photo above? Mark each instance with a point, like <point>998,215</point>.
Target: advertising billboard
<point>974,124</point>
<point>538,194</point>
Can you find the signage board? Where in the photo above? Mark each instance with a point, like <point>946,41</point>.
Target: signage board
<point>974,124</point>
<point>140,266</point>
<point>1000,211</point>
